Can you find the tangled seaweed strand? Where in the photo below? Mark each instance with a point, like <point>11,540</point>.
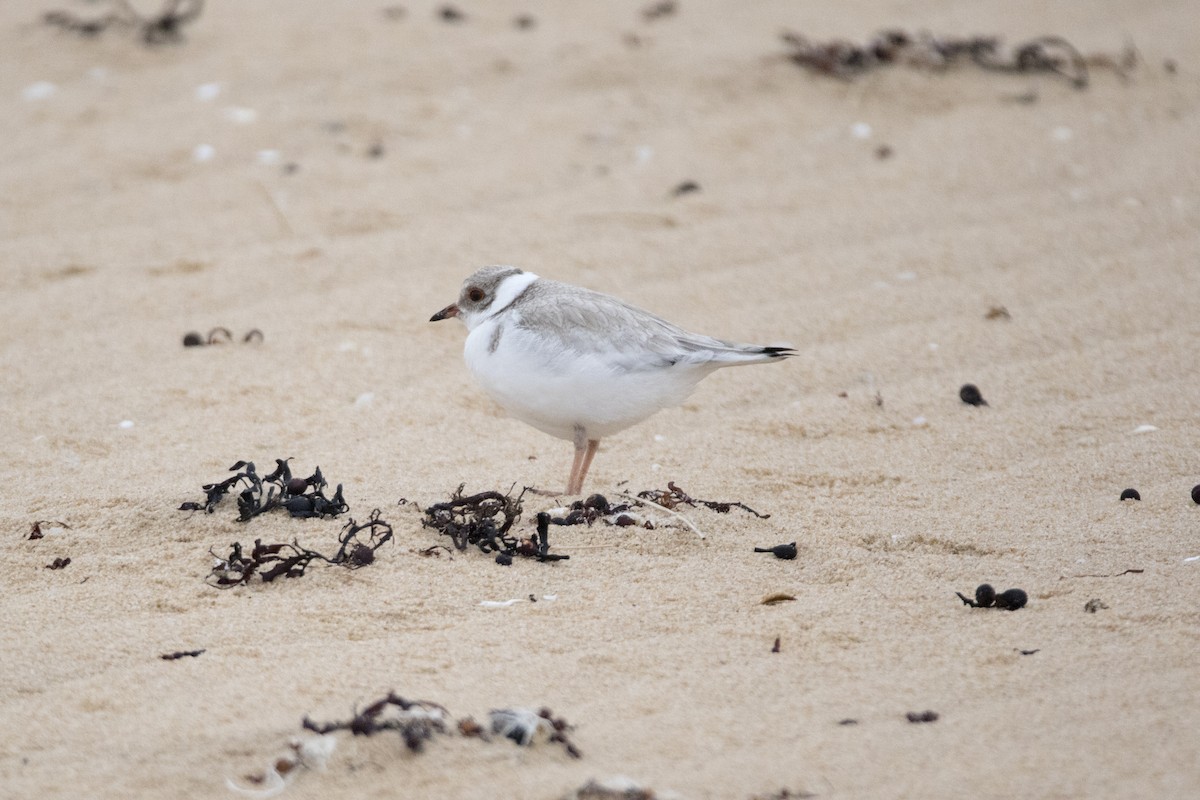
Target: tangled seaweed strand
<point>1046,54</point>
<point>270,561</point>
<point>417,721</point>
<point>675,496</point>
<point>484,520</point>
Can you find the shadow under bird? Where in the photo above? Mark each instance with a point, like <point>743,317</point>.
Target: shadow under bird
<point>578,364</point>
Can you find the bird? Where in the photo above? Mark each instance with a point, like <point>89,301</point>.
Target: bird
<point>578,364</point>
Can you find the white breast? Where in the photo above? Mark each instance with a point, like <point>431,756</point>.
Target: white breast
<point>544,385</point>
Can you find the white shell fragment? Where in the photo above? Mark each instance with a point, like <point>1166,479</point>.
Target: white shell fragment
<point>39,91</point>
<point>860,130</point>
<point>125,424</point>
<point>203,152</point>
<point>519,724</point>
<point>207,91</point>
<point>241,115</point>
<point>1145,429</point>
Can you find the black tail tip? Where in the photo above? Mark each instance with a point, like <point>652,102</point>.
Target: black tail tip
<point>778,352</point>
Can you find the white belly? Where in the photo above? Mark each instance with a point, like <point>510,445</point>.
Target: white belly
<point>557,391</point>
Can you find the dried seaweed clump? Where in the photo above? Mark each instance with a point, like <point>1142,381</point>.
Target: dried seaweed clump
<point>301,497</point>
<point>417,721</point>
<point>270,561</point>
<point>486,520</point>
<point>1051,55</point>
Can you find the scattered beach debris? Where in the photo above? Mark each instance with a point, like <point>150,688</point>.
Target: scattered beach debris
<point>848,721</point>
<point>1052,55</point>
<point>776,598</point>
<point>270,561</point>
<point>987,597</point>
<point>301,497</point>
<point>1145,429</point>
<point>525,726</point>
<point>1131,494</point>
<point>884,152</point>
<point>36,532</point>
<point>178,654</point>
<point>969,393</point>
<point>1195,496</point>
<point>1094,605</point>
<point>687,187</point>
<point>311,752</point>
<point>165,27</point>
<point>618,787</point>
<point>472,520</point>
<point>921,716</point>
<point>785,551</point>
<point>416,721</point>
<point>525,22</point>
<point>775,647</point>
<point>1028,652</point>
<point>220,335</point>
<point>59,563</point>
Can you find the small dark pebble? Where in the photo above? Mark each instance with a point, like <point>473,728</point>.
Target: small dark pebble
<point>883,152</point>
<point>847,721</point>
<point>58,563</point>
<point>1132,494</point>
<point>969,394</point>
<point>1196,494</point>
<point>451,14</point>
<point>525,21</point>
<point>1012,599</point>
<point>192,339</point>
<point>598,502</point>
<point>775,649</point>
<point>687,187</point>
<point>504,559</point>
<point>1029,652</point>
<point>624,521</point>
<point>922,716</point>
<point>785,551</point>
<point>297,486</point>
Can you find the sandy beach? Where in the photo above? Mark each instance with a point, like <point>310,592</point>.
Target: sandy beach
<point>329,173</point>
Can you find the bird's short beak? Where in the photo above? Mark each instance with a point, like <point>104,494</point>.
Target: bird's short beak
<point>447,312</point>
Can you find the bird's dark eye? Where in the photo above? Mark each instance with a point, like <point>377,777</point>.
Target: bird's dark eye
<point>474,294</point>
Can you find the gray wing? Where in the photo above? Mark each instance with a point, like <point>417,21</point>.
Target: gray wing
<point>630,339</point>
